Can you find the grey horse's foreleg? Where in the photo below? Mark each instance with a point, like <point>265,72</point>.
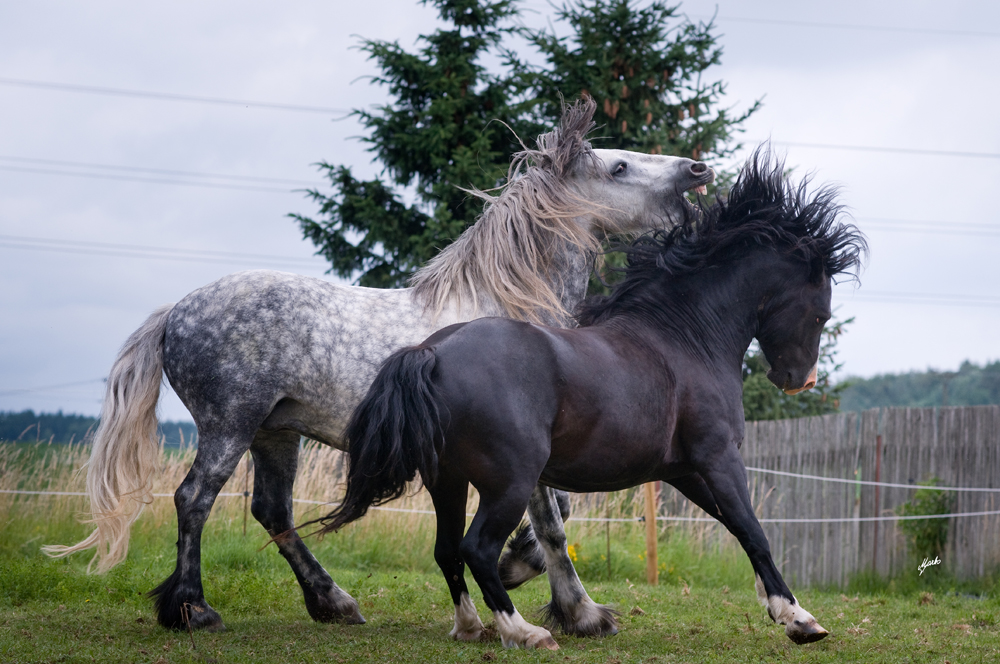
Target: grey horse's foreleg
<point>571,608</point>
<point>275,459</point>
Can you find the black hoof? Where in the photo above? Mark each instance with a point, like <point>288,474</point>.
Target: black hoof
<point>197,615</point>
<point>342,609</point>
<point>202,617</point>
<point>179,606</point>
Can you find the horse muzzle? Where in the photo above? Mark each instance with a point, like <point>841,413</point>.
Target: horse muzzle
<point>809,384</point>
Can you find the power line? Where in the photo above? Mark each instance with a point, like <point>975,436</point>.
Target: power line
<point>159,171</point>
<point>166,96</point>
<point>197,255</point>
<point>145,251</point>
<point>127,178</point>
<point>818,24</point>
<point>855,26</point>
<point>891,150</point>
<point>937,227</point>
<point>872,223</point>
<point>46,388</point>
<point>930,223</point>
<point>947,299</point>
<point>315,109</point>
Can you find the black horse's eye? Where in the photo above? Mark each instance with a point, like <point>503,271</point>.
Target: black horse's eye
<point>620,168</point>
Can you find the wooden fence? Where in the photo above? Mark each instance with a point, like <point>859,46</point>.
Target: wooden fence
<point>960,446</point>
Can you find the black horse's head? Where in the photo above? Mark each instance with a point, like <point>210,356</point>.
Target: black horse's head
<point>790,327</point>
<point>807,248</point>
<point>767,241</point>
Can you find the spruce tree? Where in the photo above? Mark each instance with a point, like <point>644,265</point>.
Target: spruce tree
<point>437,134</point>
<point>643,66</point>
<point>646,68</point>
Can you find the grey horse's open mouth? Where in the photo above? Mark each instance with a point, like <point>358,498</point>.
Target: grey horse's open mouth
<point>701,187</point>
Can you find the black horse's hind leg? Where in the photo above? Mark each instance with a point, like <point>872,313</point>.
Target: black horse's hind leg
<point>275,457</point>
<point>450,495</point>
<point>180,600</point>
<point>500,508</point>
<point>725,478</point>
<point>571,608</point>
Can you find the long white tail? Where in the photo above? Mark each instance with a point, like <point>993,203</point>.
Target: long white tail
<point>126,450</point>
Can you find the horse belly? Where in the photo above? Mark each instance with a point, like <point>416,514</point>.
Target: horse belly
<point>606,470</point>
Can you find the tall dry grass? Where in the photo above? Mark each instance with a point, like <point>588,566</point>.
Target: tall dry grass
<point>398,534</point>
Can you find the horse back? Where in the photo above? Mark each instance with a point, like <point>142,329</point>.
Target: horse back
<point>237,347</point>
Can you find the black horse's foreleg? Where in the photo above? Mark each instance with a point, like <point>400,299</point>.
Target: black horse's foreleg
<point>571,608</point>
<point>693,488</point>
<point>725,478</point>
<point>500,508</point>
<point>180,599</point>
<point>275,459</point>
<point>450,495</point>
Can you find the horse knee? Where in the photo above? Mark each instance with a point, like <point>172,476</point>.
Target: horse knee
<point>269,515</point>
<point>185,494</point>
<point>474,555</point>
<point>446,556</point>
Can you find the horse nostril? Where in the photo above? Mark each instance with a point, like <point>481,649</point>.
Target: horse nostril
<point>699,167</point>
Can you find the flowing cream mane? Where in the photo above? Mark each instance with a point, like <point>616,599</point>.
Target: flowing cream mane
<point>507,255</point>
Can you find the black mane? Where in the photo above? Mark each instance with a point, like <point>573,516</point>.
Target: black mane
<point>762,209</point>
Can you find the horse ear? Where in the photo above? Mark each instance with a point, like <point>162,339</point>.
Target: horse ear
<point>576,123</point>
<point>817,270</point>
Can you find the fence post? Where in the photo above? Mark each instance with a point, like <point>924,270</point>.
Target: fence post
<point>878,511</point>
<point>652,573</point>
<point>246,492</point>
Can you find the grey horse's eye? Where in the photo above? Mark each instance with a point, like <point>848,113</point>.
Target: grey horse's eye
<point>620,168</point>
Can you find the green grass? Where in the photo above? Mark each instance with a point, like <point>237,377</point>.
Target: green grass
<point>54,612</point>
<point>703,611</point>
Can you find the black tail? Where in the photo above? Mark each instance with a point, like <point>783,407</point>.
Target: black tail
<point>395,432</point>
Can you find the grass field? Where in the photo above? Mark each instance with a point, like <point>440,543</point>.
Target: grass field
<point>703,611</point>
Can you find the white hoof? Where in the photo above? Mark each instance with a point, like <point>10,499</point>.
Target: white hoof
<point>516,632</point>
<point>800,626</point>
<point>468,626</point>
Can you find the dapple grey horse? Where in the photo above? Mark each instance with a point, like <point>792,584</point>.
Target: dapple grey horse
<point>261,358</point>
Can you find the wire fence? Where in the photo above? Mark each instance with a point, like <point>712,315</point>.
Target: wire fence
<point>638,519</point>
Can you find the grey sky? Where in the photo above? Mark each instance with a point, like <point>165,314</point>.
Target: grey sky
<point>63,314</point>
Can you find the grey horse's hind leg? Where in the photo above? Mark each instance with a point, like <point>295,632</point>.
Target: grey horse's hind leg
<point>180,599</point>
<point>275,457</point>
<point>523,558</point>
<point>571,607</point>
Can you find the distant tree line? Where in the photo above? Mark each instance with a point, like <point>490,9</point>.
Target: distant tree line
<point>971,385</point>
<point>27,426</point>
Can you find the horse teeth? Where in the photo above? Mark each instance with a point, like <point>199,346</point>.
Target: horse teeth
<point>703,190</point>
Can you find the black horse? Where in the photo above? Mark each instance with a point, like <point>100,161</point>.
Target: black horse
<point>648,389</point>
